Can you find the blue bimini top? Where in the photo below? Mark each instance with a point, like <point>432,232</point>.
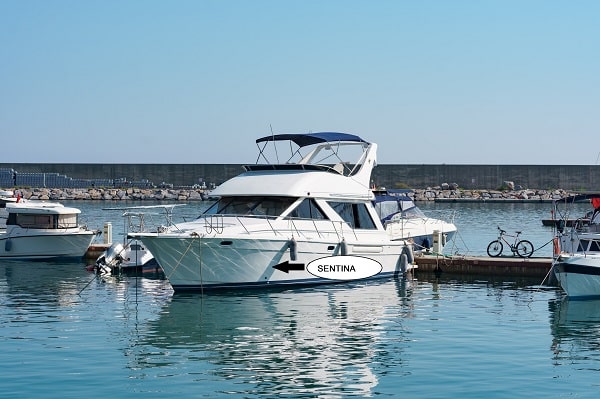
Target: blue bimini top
<point>303,140</point>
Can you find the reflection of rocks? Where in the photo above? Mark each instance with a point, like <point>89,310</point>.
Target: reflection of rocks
<point>445,192</point>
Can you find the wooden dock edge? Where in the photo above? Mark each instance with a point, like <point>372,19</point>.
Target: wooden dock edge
<point>95,250</point>
<point>501,266</point>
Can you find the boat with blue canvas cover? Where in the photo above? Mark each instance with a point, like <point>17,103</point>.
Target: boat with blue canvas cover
<point>272,222</point>
<point>404,220</point>
<point>576,262</point>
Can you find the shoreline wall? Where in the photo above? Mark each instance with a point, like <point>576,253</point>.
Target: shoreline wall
<point>465,177</point>
<point>137,194</point>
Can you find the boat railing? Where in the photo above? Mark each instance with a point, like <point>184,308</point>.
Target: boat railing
<point>216,224</point>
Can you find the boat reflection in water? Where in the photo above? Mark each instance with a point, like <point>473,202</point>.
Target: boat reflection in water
<point>576,331</point>
<point>34,285</point>
<point>324,340</point>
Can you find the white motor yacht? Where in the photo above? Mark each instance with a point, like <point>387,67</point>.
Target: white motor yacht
<point>308,220</point>
<point>576,262</point>
<point>43,230</point>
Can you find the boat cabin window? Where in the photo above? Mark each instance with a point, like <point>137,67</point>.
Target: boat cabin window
<point>307,209</point>
<point>31,221</point>
<point>356,215</point>
<point>253,206</point>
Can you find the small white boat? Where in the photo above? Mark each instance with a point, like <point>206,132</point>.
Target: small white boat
<point>127,256</point>
<point>576,262</point>
<point>132,254</point>
<point>309,220</point>
<point>43,230</point>
<point>403,220</point>
<point>6,197</point>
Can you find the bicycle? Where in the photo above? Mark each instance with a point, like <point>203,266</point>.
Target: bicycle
<point>523,248</point>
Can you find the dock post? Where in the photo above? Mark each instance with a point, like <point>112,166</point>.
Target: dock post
<point>437,242</point>
<point>108,233</point>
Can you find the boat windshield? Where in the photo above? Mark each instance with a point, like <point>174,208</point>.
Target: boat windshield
<point>410,213</point>
<point>394,209</point>
<point>250,206</point>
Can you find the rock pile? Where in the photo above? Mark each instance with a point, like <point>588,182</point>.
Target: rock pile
<point>439,194</point>
<point>162,194</point>
<point>131,194</point>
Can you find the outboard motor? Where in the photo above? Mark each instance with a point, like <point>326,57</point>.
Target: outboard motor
<point>110,259</point>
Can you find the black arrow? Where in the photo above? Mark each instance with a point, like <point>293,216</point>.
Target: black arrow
<point>287,266</point>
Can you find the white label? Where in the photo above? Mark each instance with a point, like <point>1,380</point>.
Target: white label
<point>344,267</point>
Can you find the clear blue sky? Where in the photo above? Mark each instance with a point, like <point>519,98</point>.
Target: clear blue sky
<point>448,81</point>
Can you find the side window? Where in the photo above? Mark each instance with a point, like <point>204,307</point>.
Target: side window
<point>595,246</point>
<point>34,221</point>
<point>307,209</point>
<point>344,209</point>
<point>356,215</point>
<point>583,245</point>
<point>364,218</point>
<point>272,206</point>
<point>66,221</point>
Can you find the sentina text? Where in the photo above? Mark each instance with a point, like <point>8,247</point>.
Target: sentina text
<point>336,268</point>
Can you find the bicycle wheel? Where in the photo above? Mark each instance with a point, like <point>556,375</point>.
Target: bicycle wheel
<point>494,248</point>
<point>525,248</point>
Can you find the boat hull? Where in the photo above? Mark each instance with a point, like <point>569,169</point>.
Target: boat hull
<point>198,263</point>
<point>131,255</point>
<point>40,245</point>
<point>579,275</point>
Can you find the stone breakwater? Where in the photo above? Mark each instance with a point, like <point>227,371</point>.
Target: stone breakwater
<point>128,194</point>
<point>135,194</point>
<point>528,195</point>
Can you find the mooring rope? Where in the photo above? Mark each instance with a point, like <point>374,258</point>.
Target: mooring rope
<point>193,235</point>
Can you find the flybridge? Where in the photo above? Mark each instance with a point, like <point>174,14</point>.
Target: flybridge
<point>302,140</point>
<point>341,153</point>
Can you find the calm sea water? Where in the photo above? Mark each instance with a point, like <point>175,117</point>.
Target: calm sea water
<point>65,333</point>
